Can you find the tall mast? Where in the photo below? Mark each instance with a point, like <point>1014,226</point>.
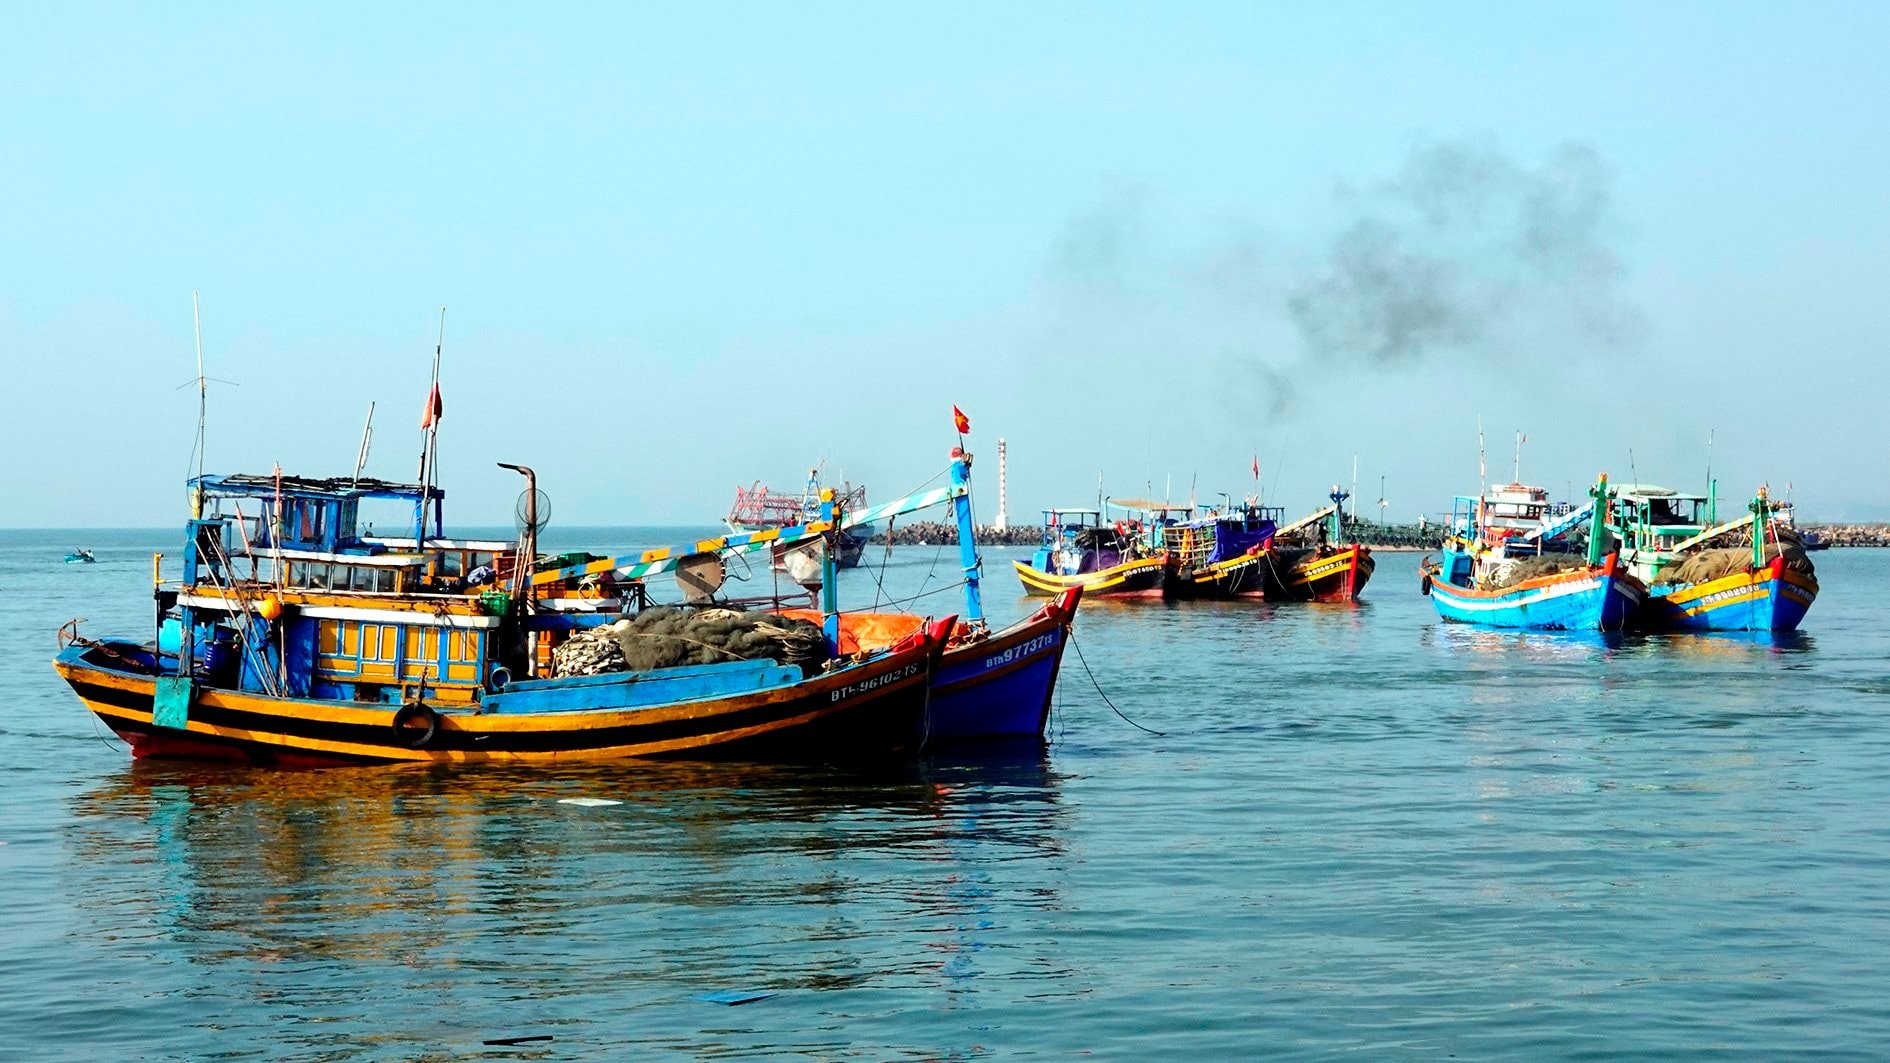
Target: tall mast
<point>1712,492</point>
<point>1515,475</point>
<point>203,402</point>
<point>430,440</point>
<point>203,390</point>
<point>968,557</point>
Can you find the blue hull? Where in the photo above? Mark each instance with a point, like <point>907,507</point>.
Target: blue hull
<point>1593,602</point>
<point>1735,604</point>
<point>981,694</point>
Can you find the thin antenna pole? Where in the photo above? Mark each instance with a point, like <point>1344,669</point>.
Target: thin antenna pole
<point>367,441</point>
<point>1482,468</point>
<point>1516,474</point>
<point>1355,487</point>
<point>203,390</point>
<point>1709,455</point>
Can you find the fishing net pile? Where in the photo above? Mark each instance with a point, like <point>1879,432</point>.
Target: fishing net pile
<point>670,637</point>
<point>1699,566</point>
<point>1515,570</point>
<point>1284,558</point>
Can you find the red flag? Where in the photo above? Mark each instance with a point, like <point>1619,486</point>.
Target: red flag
<point>435,409</point>
<point>1256,466</point>
<point>959,420</point>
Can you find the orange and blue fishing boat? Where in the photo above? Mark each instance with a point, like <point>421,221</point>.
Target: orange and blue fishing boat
<point>1746,574</point>
<point>295,639</point>
<point>1496,572</point>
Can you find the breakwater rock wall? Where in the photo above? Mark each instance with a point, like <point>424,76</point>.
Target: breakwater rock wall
<point>1850,534</point>
<point>933,533</point>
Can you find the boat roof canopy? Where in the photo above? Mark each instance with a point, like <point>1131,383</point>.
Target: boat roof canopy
<point>250,485</point>
<point>1652,491</point>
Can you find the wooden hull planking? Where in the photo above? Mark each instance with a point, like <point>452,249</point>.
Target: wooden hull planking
<point>1141,578</point>
<point>868,710</point>
<point>1339,576</point>
<point>1600,598</point>
<point>1773,598</point>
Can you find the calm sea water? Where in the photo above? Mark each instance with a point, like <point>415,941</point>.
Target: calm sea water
<point>1359,832</point>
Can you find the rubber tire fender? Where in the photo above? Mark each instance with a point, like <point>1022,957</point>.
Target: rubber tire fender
<point>405,736</point>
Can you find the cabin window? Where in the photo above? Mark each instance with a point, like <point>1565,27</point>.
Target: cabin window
<point>378,641</point>
<point>450,563</point>
<point>328,637</point>
<point>463,646</point>
<point>423,651</point>
<point>384,580</point>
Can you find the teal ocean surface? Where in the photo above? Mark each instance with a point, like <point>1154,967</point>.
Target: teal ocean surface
<point>1359,833</point>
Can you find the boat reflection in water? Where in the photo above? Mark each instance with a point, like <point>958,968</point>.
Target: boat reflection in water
<point>489,891</point>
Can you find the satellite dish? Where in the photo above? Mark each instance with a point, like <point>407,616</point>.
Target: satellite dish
<point>700,576</point>
<point>533,511</point>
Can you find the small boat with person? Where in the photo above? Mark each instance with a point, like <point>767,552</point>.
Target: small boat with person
<point>80,556</point>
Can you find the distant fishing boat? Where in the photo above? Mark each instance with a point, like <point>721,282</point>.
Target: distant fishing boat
<point>1488,574</point>
<point>1746,574</point>
<point>759,508</point>
<point>1221,554</point>
<point>81,556</point>
<point>1312,559</point>
<point>1080,551</point>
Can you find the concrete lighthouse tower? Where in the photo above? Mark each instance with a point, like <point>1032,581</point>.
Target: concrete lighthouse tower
<point>1001,521</point>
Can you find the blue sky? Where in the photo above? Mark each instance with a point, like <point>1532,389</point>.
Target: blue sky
<point>681,252</point>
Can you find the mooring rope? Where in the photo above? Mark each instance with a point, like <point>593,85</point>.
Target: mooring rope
<point>1099,689</point>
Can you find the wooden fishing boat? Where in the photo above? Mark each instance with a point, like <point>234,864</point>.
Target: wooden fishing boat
<point>1486,576</point>
<point>987,684</point>
<point>334,649</point>
<point>1746,574</point>
<point>1080,552</point>
<point>1221,554</point>
<point>1311,559</point>
<point>759,508</point>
